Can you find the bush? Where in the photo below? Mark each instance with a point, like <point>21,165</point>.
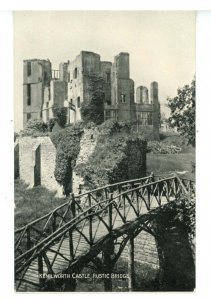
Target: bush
<point>160,148</point>
<point>89,125</point>
<point>111,127</point>
<point>35,128</point>
<point>145,132</point>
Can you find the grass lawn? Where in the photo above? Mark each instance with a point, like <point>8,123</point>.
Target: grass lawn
<point>169,138</point>
<point>166,163</point>
<point>33,203</point>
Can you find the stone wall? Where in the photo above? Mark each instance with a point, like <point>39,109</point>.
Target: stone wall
<point>87,146</point>
<point>31,160</point>
<point>36,75</point>
<point>145,251</point>
<point>27,162</point>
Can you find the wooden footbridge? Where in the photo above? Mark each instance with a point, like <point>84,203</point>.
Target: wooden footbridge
<point>91,227</point>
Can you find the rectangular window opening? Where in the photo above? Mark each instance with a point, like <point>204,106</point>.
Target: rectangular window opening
<point>145,118</point>
<point>28,94</point>
<point>78,102</point>
<point>75,73</point>
<point>107,114</point>
<point>108,77</point>
<point>29,69</point>
<point>28,116</point>
<point>123,98</point>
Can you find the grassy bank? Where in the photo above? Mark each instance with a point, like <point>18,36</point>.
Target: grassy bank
<point>166,163</point>
<point>33,203</point>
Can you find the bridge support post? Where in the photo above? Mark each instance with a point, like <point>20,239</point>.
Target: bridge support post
<point>131,265</point>
<point>73,214</point>
<point>110,211</point>
<point>108,265</point>
<point>40,269</point>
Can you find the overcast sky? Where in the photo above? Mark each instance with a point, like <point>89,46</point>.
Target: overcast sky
<point>161,44</point>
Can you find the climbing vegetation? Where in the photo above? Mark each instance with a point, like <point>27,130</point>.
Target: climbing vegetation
<point>60,115</point>
<point>67,143</point>
<point>93,110</point>
<point>110,163</point>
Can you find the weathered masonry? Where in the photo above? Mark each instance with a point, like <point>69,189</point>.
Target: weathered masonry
<point>35,161</point>
<point>70,85</point>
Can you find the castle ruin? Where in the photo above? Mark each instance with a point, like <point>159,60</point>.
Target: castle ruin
<point>69,86</point>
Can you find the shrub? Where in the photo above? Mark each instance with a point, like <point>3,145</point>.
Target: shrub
<point>145,132</point>
<point>111,127</point>
<point>35,128</point>
<point>160,148</point>
<point>89,125</point>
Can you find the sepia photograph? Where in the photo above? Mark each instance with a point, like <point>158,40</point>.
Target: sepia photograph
<point>104,151</point>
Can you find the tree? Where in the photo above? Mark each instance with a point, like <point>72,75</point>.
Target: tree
<point>183,111</point>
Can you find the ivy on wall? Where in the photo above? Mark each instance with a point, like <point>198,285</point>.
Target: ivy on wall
<point>93,110</point>
<point>60,115</point>
<point>117,156</point>
<point>67,143</point>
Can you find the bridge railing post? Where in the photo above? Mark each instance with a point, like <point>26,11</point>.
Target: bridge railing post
<point>137,203</point>
<point>152,176</point>
<point>110,211</point>
<point>40,269</point>
<point>90,220</point>
<point>131,265</point>
<point>72,205</point>
<point>108,265</point>
<point>73,214</point>
<point>54,222</point>
<point>28,238</point>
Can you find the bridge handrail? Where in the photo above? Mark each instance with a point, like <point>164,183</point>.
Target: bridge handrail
<point>114,184</point>
<point>85,214</point>
<point>79,196</point>
<point>42,218</point>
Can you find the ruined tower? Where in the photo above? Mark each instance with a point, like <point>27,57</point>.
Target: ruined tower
<point>156,108</point>
<point>36,76</point>
<point>148,110</point>
<point>122,88</point>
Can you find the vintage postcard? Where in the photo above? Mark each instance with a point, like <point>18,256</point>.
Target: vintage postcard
<point>104,151</point>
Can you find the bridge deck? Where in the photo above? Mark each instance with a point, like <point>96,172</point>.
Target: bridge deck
<point>31,277</point>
